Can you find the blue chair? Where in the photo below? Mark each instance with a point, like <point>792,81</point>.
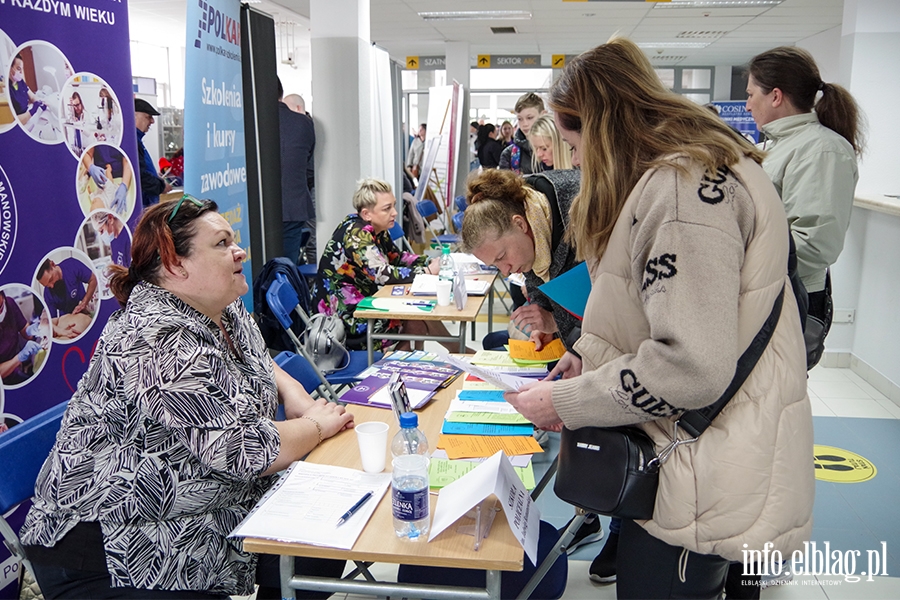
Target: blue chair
<point>551,585</point>
<point>24,449</point>
<point>398,236</point>
<point>457,221</point>
<point>461,204</point>
<point>282,299</point>
<point>300,369</point>
<point>428,211</point>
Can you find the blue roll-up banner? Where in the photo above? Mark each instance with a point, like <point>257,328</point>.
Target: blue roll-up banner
<point>735,113</point>
<point>215,164</point>
<point>67,198</point>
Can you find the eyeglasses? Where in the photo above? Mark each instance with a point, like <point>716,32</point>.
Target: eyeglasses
<point>198,203</point>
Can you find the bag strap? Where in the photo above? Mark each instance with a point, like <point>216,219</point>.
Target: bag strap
<point>695,422</point>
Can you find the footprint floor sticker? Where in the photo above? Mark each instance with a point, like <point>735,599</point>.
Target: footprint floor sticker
<point>841,466</point>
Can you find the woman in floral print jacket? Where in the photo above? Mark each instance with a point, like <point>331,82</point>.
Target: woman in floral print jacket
<point>360,257</point>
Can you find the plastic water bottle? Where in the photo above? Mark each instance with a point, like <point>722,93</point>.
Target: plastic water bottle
<point>409,489</point>
<point>409,496</point>
<point>448,267</point>
<point>410,439</point>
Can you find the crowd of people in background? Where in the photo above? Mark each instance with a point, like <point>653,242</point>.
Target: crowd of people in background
<point>624,175</point>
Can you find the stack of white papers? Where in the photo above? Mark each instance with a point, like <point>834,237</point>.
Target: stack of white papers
<point>426,285</point>
<point>305,504</point>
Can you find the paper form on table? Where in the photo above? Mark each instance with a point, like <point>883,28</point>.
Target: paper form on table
<point>459,405</point>
<point>521,460</point>
<point>443,472</point>
<point>504,382</point>
<point>480,446</point>
<point>524,350</point>
<point>306,502</point>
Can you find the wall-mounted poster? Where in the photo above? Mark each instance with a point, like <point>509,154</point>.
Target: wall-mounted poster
<point>735,113</point>
<point>214,152</point>
<point>67,144</point>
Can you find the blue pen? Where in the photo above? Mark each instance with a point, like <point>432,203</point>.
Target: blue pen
<point>353,509</point>
<point>419,304</point>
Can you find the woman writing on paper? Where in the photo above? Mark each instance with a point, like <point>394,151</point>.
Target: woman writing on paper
<point>169,440</point>
<point>518,225</point>
<point>686,241</point>
<point>360,258</point>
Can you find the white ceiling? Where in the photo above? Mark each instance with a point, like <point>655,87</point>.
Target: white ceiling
<point>556,27</point>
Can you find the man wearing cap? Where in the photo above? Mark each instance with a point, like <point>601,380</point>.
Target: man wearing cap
<point>152,185</point>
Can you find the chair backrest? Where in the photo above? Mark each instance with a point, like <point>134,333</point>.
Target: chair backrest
<point>299,368</point>
<point>457,221</point>
<point>282,299</point>
<point>396,232</point>
<point>426,208</point>
<point>461,203</point>
<point>272,327</point>
<point>24,449</point>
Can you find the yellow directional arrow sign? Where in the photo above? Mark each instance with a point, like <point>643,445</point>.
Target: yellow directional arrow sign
<point>484,61</point>
<point>412,62</point>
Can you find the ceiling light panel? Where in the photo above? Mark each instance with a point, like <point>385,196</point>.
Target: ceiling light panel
<point>476,15</point>
<point>673,44</point>
<point>717,3</point>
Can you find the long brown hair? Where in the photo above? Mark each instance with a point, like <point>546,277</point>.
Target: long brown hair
<point>794,72</point>
<point>158,243</point>
<point>629,123</point>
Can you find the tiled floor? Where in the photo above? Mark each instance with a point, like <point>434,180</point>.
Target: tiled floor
<point>849,414</point>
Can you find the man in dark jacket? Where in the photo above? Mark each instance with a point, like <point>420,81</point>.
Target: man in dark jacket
<point>298,141</point>
<point>152,185</point>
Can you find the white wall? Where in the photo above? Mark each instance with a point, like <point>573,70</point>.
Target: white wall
<point>867,275</point>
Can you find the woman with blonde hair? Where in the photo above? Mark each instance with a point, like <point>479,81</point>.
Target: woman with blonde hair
<point>519,226</point>
<point>549,148</point>
<point>686,242</point>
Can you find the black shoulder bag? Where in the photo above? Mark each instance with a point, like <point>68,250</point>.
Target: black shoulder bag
<point>614,471</point>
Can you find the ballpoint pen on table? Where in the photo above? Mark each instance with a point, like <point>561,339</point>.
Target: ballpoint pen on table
<point>354,509</point>
<point>423,303</point>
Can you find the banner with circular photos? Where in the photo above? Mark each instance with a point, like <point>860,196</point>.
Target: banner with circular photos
<point>68,192</point>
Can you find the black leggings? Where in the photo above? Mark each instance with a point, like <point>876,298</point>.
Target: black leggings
<point>648,568</point>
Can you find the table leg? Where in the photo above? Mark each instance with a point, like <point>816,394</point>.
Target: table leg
<point>462,335</point>
<point>491,309</point>
<point>492,584</point>
<point>286,566</point>
<point>370,353</point>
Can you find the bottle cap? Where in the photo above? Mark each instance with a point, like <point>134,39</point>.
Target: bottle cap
<point>409,420</point>
<point>445,249</point>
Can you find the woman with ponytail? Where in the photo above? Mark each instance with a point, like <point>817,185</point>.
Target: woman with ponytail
<point>170,438</point>
<point>812,147</point>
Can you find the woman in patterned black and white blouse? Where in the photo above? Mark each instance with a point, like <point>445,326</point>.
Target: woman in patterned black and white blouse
<point>169,440</point>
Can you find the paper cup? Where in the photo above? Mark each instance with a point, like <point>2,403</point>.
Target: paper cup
<point>372,437</point>
<point>444,288</point>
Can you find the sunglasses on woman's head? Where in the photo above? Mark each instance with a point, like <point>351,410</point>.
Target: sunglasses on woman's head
<point>180,202</point>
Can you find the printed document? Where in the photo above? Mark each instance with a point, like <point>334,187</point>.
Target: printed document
<point>305,504</point>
